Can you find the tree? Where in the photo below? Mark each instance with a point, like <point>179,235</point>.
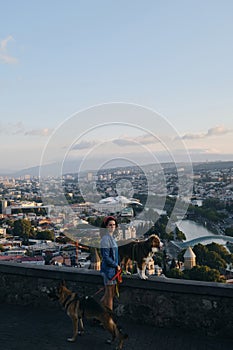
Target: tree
<point>221,251</point>
<point>210,255</point>
<point>45,235</point>
<point>214,261</point>
<point>203,273</point>
<point>180,236</point>
<point>213,203</point>
<point>23,229</point>
<point>200,251</point>
<point>229,231</point>
<point>175,273</point>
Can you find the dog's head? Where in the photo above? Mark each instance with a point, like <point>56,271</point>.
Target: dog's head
<point>155,243</point>
<point>55,293</point>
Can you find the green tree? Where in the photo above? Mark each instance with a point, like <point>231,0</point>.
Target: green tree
<point>203,273</point>
<point>213,203</point>
<point>45,235</point>
<point>23,229</point>
<point>221,251</point>
<point>180,236</point>
<point>175,273</point>
<point>229,231</point>
<point>200,251</point>
<point>214,261</point>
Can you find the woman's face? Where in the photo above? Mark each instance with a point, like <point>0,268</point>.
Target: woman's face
<point>111,226</point>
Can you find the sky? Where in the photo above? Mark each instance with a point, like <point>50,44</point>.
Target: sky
<point>59,59</point>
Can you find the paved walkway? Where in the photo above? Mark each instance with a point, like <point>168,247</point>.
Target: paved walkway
<point>25,328</point>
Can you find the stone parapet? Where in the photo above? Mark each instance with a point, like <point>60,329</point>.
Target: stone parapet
<point>158,301</point>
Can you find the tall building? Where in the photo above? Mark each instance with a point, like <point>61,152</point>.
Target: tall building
<point>4,206</point>
<point>89,176</point>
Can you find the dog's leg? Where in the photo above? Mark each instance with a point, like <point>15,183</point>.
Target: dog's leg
<point>142,272</point>
<point>111,326</point>
<point>81,326</point>
<point>129,267</point>
<point>74,319</point>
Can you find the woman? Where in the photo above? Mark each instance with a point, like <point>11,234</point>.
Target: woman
<point>109,264</point>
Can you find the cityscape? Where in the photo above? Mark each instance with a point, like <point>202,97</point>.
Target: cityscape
<point>59,224</point>
<point>123,109</point>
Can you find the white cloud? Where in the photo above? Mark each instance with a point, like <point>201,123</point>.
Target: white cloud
<point>18,128</point>
<point>215,131</point>
<point>204,151</point>
<point>122,141</point>
<point>218,130</point>
<point>84,145</point>
<point>5,57</point>
<point>12,128</point>
<point>38,132</point>
<point>145,139</point>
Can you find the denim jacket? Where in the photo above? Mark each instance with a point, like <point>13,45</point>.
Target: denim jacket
<point>109,252</point>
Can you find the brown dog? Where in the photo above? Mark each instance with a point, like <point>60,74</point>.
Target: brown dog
<point>77,308</point>
<point>139,252</point>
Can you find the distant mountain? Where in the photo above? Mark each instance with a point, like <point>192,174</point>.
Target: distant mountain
<point>46,170</point>
<point>218,165</point>
<point>71,167</point>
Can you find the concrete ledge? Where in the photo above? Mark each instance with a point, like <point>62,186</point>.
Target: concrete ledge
<point>94,277</point>
<point>158,301</point>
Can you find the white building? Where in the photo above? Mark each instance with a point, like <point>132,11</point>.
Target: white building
<point>189,259</point>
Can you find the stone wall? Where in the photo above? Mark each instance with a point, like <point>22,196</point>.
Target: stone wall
<point>162,302</point>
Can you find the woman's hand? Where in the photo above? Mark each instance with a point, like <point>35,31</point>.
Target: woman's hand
<point>118,268</point>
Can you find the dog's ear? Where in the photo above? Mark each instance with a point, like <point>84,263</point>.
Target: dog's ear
<point>63,283</point>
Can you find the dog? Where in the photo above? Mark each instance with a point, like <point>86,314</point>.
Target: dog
<point>78,308</point>
<point>140,252</point>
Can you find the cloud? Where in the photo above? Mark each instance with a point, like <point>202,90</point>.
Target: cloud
<point>215,131</point>
<point>38,132</point>
<point>12,128</point>
<point>218,130</point>
<point>121,142</point>
<point>124,142</point>
<point>204,151</point>
<point>18,128</point>
<point>84,145</point>
<point>5,57</point>
<point>145,139</point>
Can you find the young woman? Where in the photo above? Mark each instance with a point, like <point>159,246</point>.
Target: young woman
<point>109,264</point>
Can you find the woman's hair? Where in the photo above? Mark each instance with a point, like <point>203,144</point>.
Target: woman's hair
<point>106,221</point>
<point>105,224</point>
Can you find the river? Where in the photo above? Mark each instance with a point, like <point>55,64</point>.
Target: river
<point>193,230</point>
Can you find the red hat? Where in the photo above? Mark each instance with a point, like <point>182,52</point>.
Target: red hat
<point>108,218</point>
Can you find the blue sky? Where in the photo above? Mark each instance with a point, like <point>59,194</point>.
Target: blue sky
<point>57,58</point>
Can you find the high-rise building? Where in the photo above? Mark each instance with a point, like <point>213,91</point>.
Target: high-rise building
<point>4,206</point>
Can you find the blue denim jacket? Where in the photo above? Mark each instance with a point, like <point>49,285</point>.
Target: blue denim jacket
<point>109,252</point>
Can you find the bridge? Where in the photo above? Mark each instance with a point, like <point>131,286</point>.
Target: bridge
<point>210,238</point>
